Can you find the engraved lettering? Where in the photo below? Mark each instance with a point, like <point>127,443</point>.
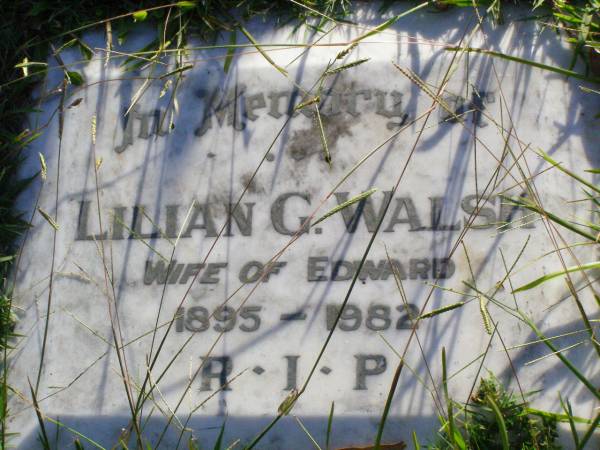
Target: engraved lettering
<point>215,367</point>
<point>292,369</point>
<point>368,365</point>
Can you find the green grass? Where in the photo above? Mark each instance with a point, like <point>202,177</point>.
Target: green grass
<point>29,27</point>
<point>497,420</point>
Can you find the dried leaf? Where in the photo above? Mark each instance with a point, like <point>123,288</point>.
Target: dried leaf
<point>44,168</point>
<point>48,218</point>
<point>75,103</point>
<point>94,129</point>
<point>326,153</point>
<point>309,102</point>
<point>286,405</point>
<point>165,88</point>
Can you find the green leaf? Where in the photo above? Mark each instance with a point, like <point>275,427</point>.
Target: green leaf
<point>538,281</point>
<point>569,412</point>
<point>416,441</point>
<point>230,51</point>
<point>85,49</point>
<point>558,417</point>
<point>6,258</point>
<point>186,5</point>
<point>500,420</point>
<point>192,444</point>
<point>26,64</point>
<point>219,442</point>
<point>75,78</point>
<point>140,16</point>
<point>329,423</point>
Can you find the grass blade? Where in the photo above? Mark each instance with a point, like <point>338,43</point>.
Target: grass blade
<point>559,70</point>
<point>326,154</point>
<point>447,398</point>
<point>538,281</point>
<point>569,413</point>
<point>589,432</point>
<point>574,370</point>
<point>312,439</point>
<point>262,52</point>
<point>455,436</point>
<point>230,51</point>
<point>560,167</point>
<point>176,71</point>
<point>500,420</point>
<point>43,435</point>
<point>523,203</point>
<point>329,424</point>
<point>388,23</point>
<point>219,442</point>
<point>415,441</point>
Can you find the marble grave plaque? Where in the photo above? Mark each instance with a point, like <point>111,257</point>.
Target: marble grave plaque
<point>187,263</point>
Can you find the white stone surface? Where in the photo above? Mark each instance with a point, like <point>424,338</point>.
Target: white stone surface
<point>81,384</point>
